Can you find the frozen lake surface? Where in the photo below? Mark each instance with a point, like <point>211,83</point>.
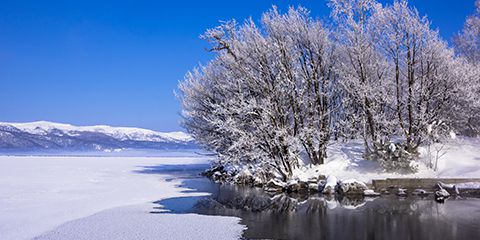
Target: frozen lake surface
<point>100,198</point>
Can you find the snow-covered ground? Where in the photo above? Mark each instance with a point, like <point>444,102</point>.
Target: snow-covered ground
<point>63,197</point>
<point>460,158</point>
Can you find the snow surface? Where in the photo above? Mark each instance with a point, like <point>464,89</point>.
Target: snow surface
<point>468,185</point>
<point>38,194</point>
<point>135,222</point>
<point>461,159</point>
<point>123,133</point>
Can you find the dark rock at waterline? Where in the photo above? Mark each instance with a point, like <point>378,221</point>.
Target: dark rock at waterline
<point>351,188</point>
<point>209,172</point>
<point>297,186</point>
<point>420,192</point>
<point>274,186</point>
<point>221,177</point>
<point>244,178</point>
<point>371,193</point>
<point>313,187</point>
<point>441,195</point>
<point>401,192</point>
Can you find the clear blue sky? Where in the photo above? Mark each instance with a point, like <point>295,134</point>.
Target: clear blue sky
<point>119,62</point>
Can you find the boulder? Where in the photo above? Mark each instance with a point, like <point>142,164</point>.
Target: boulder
<point>401,192</point>
<point>296,186</point>
<point>209,172</point>
<point>275,186</point>
<point>312,180</point>
<point>313,187</point>
<point>292,186</point>
<point>219,176</point>
<point>302,186</point>
<point>258,182</point>
<point>352,187</point>
<point>420,192</point>
<point>384,191</point>
<point>244,177</point>
<point>441,195</point>
<point>330,185</point>
<point>370,193</point>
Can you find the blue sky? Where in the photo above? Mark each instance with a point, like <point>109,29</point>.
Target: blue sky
<point>119,62</point>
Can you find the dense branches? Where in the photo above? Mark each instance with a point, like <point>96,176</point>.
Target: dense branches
<point>278,93</point>
<point>467,43</point>
<point>269,95</point>
<point>467,46</point>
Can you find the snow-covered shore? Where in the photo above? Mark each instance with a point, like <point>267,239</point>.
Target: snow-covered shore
<point>39,194</point>
<point>460,159</point>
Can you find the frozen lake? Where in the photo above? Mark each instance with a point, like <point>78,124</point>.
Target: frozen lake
<point>99,198</point>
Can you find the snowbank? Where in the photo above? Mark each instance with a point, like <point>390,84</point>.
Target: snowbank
<point>38,194</point>
<point>461,159</point>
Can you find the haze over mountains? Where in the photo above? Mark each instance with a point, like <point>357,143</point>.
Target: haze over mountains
<point>50,137</point>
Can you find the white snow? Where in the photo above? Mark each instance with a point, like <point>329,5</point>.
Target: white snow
<point>370,193</point>
<point>330,185</point>
<point>134,222</point>
<point>38,194</point>
<point>461,159</point>
<point>123,133</point>
<point>468,185</point>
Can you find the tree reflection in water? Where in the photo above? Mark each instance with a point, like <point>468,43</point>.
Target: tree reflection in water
<point>301,216</point>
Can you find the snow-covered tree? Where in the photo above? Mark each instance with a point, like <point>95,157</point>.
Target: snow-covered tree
<point>421,72</point>
<point>362,73</point>
<point>269,95</point>
<point>277,92</point>
<point>467,43</point>
<point>467,46</point>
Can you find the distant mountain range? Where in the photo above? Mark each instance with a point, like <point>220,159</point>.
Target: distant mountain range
<point>49,136</point>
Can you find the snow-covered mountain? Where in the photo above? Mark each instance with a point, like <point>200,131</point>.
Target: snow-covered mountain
<point>44,135</point>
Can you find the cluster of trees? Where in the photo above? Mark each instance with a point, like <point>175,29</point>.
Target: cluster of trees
<point>282,90</point>
<point>467,45</point>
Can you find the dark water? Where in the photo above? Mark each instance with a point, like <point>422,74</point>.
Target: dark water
<point>290,216</point>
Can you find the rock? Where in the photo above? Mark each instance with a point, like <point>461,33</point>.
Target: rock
<point>419,192</point>
<point>441,195</point>
<point>302,186</point>
<point>451,187</point>
<point>292,186</point>
<point>401,192</point>
<point>218,176</point>
<point>312,180</point>
<point>274,186</point>
<point>244,177</point>
<point>258,182</point>
<point>352,187</point>
<point>384,191</point>
<point>321,185</point>
<point>313,187</point>
<point>297,186</point>
<point>370,193</point>
<point>330,185</point>
<point>209,172</point>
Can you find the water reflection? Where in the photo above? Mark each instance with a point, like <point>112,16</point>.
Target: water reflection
<point>296,216</point>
